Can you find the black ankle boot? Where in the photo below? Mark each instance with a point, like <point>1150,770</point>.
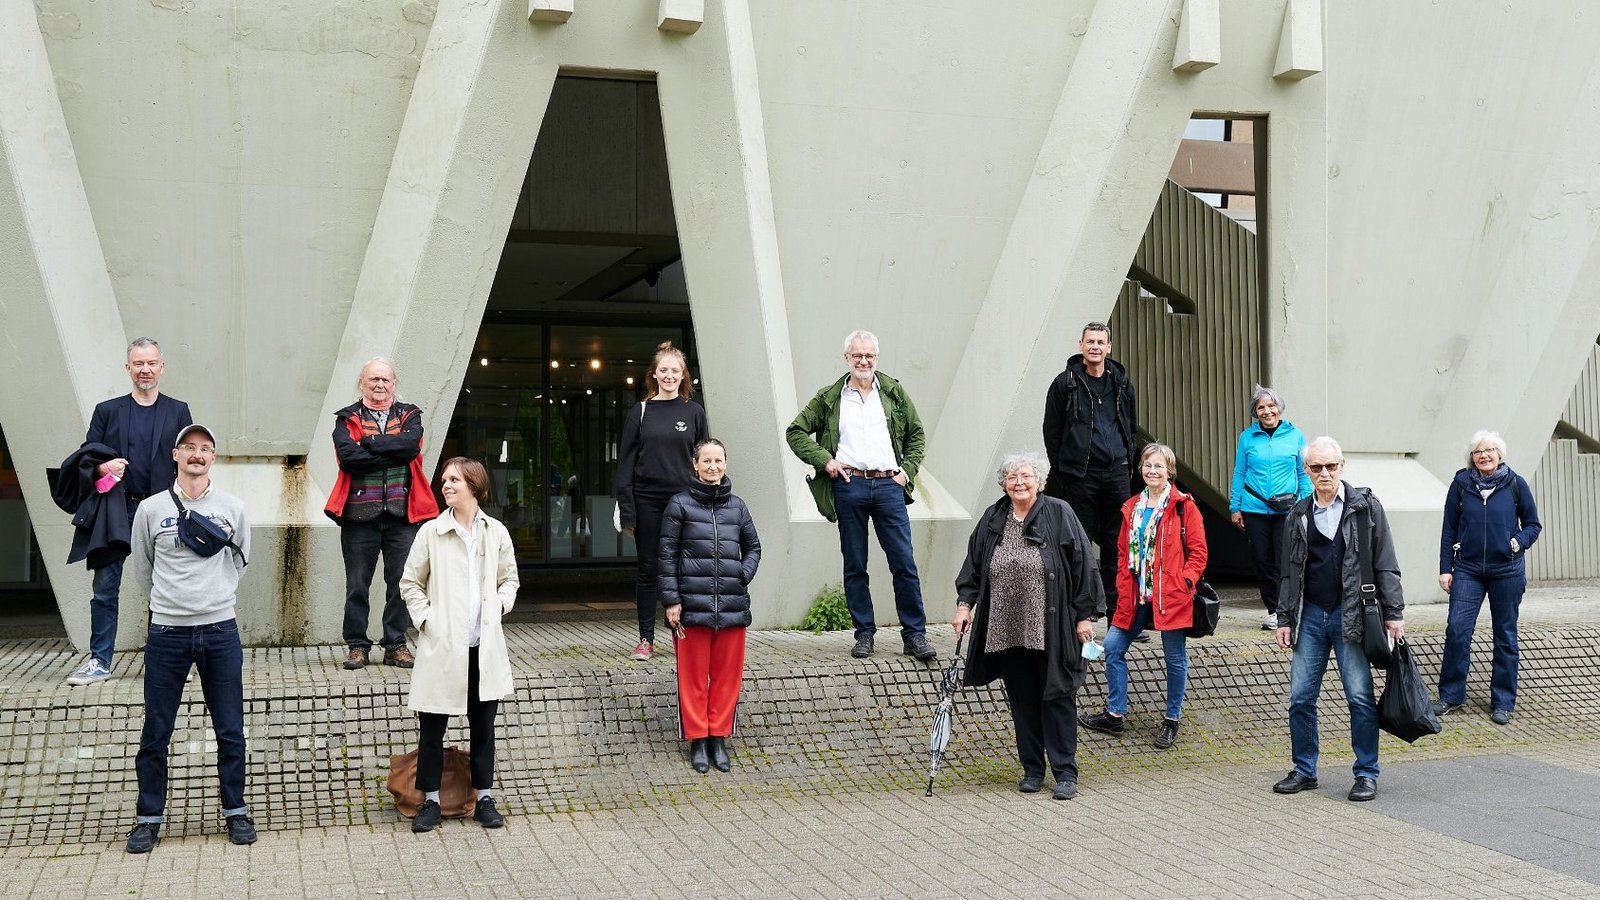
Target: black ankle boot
<point>697,755</point>
<point>719,754</point>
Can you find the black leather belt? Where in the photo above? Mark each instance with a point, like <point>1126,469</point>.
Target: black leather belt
<point>870,473</point>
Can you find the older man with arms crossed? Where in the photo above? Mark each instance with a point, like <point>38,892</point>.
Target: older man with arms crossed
<point>1319,610</point>
<point>863,436</point>
<point>379,500</point>
<point>192,623</point>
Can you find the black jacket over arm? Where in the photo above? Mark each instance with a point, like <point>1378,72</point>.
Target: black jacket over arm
<point>100,521</point>
<point>1072,590</point>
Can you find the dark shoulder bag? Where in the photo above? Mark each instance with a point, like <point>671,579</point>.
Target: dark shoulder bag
<point>200,534</point>
<point>1374,637</point>
<point>1207,605</point>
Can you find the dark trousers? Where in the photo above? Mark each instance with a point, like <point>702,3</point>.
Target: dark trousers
<point>480,728</point>
<point>169,652</point>
<point>883,502</point>
<point>647,511</point>
<point>1097,500</point>
<point>1265,533</point>
<point>361,542</point>
<point>1467,592</point>
<point>1045,728</point>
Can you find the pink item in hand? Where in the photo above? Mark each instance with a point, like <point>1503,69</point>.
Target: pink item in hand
<point>106,482</point>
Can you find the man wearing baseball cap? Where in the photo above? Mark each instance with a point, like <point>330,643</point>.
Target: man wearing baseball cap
<point>192,623</point>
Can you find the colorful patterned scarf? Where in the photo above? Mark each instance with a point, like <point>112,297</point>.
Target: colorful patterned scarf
<point>1142,540</point>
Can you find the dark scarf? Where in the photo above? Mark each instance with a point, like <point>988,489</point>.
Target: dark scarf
<point>1494,481</point>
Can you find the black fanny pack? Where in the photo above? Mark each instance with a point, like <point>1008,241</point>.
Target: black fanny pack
<point>1280,503</point>
<point>205,537</point>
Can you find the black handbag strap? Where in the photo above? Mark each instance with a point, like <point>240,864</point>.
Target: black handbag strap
<point>1369,585</point>
<point>1257,494</point>
<point>183,513</point>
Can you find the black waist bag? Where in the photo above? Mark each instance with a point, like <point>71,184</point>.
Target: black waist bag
<point>205,537</point>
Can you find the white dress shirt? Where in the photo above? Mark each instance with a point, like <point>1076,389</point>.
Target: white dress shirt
<point>475,581</point>
<point>1327,517</point>
<point>864,430</point>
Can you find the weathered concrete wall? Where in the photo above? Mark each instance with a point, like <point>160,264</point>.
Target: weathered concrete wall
<point>282,190</point>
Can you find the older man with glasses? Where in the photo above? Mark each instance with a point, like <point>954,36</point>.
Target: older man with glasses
<point>1319,611</point>
<point>865,440</point>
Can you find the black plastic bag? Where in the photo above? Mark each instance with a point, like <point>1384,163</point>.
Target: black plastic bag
<point>1405,710</point>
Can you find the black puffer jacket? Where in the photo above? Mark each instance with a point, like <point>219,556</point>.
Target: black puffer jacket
<point>709,554</point>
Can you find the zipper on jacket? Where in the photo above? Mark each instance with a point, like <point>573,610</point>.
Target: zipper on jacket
<point>716,577</point>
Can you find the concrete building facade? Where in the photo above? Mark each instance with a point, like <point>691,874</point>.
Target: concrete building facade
<point>280,191</point>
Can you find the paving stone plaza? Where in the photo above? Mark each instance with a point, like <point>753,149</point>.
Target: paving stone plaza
<point>826,795</point>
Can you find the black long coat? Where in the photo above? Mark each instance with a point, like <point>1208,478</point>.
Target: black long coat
<point>709,555</point>
<point>100,521</point>
<point>1072,590</point>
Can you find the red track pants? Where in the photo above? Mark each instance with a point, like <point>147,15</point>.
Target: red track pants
<point>710,673</point>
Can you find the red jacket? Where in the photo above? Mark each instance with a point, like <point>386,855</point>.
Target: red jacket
<point>1176,569</point>
<point>420,505</point>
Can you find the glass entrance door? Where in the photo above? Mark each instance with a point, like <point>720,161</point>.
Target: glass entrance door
<point>542,406</point>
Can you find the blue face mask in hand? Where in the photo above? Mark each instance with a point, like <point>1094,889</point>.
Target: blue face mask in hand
<point>1093,649</point>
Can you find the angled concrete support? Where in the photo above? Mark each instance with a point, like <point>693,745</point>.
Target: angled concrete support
<point>1300,41</point>
<point>1199,36</point>
<point>63,332</point>
<point>682,16</point>
<point>556,11</point>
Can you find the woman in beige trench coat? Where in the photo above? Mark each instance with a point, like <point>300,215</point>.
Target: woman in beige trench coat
<point>460,579</point>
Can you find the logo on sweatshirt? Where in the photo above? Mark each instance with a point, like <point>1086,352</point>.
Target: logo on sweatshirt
<point>681,426</point>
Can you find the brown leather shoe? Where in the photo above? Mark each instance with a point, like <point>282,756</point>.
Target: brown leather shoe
<point>399,656</point>
<point>355,659</point>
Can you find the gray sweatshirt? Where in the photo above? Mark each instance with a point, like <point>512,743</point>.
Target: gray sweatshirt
<point>186,588</point>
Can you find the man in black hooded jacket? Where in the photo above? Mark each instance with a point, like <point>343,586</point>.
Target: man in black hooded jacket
<point>1089,436</point>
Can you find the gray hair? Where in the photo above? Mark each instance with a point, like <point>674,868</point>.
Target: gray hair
<point>861,335</point>
<point>369,363</point>
<point>144,342</point>
<point>1324,442</point>
<point>1492,438</point>
<point>1025,459</point>
<point>1259,393</point>
<point>1095,326</point>
<point>1168,458</point>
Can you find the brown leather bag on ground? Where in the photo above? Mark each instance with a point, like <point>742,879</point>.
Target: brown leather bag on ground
<point>457,799</point>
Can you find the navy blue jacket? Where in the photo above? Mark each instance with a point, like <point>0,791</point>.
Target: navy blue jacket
<point>1477,533</point>
<point>709,555</point>
<point>109,426</point>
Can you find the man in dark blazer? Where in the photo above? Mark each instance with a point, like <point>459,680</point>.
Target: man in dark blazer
<point>142,427</point>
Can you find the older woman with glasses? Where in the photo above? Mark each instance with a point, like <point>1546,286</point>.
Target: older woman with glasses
<point>1029,592</point>
<point>1490,521</point>
<point>1267,480</point>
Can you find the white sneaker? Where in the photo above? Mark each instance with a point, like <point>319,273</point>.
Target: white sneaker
<point>90,672</point>
<point>1270,623</point>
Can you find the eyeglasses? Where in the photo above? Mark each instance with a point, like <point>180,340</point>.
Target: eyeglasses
<point>196,448</point>
<point>1319,468</point>
<point>1489,452</point>
<point>1021,477</point>
<point>861,357</point>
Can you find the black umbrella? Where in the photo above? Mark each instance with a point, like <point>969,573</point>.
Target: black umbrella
<point>944,714</point>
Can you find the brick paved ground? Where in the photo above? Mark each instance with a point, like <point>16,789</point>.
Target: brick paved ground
<point>829,757</point>
<point>1170,833</point>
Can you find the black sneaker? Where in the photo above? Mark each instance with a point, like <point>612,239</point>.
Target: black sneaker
<point>1103,722</point>
<point>1031,784</point>
<point>143,837</point>
<point>1168,735</point>
<point>863,647</point>
<point>1066,789</point>
<point>1443,708</point>
<point>920,647</point>
<point>486,815</point>
<point>427,818</point>
<point>241,830</point>
<point>1142,637</point>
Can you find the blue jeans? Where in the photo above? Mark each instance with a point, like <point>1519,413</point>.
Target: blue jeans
<point>1176,648</point>
<point>1466,599</point>
<point>168,654</point>
<point>1320,632</point>
<point>884,502</point>
<point>104,604</point>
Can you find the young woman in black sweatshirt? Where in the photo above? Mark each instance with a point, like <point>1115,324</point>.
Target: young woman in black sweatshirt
<point>654,463</point>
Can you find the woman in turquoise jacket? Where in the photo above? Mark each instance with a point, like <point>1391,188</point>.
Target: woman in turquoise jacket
<point>1267,480</point>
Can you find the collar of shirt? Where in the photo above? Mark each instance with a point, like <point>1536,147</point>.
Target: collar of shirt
<point>860,396</point>
<point>1327,517</point>
<point>478,522</point>
<point>185,494</point>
